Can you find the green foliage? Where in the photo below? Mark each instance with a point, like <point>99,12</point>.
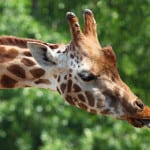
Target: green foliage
<point>37,119</point>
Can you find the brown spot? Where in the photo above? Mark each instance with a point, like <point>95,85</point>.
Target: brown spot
<point>37,72</point>
<point>58,79</point>
<point>65,77</point>
<point>28,62</point>
<point>27,53</point>
<point>76,88</point>
<point>8,82</point>
<point>75,99</point>
<point>69,86</point>
<point>113,78</point>
<point>90,98</point>
<point>93,111</point>
<point>63,87</point>
<point>81,58</point>
<point>72,56</point>
<point>54,46</point>
<point>42,81</point>
<point>26,86</point>
<point>69,99</point>
<point>81,97</point>
<point>9,55</point>
<point>17,70</point>
<point>83,106</point>
<point>70,75</point>
<point>105,111</point>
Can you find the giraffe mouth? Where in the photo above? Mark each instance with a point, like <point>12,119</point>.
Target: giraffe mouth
<point>145,122</point>
<point>139,123</point>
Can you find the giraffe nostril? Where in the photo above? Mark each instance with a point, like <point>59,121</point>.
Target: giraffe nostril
<point>139,105</point>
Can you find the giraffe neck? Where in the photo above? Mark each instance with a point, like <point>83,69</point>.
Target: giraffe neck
<point>19,69</point>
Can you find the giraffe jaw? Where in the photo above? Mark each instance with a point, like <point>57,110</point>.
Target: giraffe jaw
<point>146,122</point>
<point>139,123</point>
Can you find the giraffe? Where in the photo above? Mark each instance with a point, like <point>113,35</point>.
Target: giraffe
<point>82,71</point>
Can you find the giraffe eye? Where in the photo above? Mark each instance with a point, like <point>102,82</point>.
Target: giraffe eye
<point>86,76</point>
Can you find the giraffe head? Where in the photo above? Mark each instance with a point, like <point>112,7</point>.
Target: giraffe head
<point>87,74</point>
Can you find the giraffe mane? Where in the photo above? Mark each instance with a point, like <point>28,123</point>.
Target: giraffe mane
<point>22,42</point>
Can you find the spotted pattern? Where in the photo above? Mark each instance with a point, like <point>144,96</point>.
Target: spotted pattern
<point>17,70</point>
<point>9,55</point>
<point>7,82</point>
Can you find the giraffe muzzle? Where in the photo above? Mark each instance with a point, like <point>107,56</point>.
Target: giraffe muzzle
<point>140,119</point>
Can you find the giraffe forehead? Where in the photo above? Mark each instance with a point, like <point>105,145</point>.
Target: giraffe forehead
<point>86,61</point>
<point>91,57</point>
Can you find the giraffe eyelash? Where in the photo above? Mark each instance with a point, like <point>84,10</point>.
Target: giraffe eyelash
<point>87,76</point>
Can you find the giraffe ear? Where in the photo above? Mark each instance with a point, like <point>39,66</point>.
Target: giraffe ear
<point>42,54</point>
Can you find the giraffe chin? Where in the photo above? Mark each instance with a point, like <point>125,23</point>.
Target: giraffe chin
<point>146,122</point>
<point>139,123</point>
